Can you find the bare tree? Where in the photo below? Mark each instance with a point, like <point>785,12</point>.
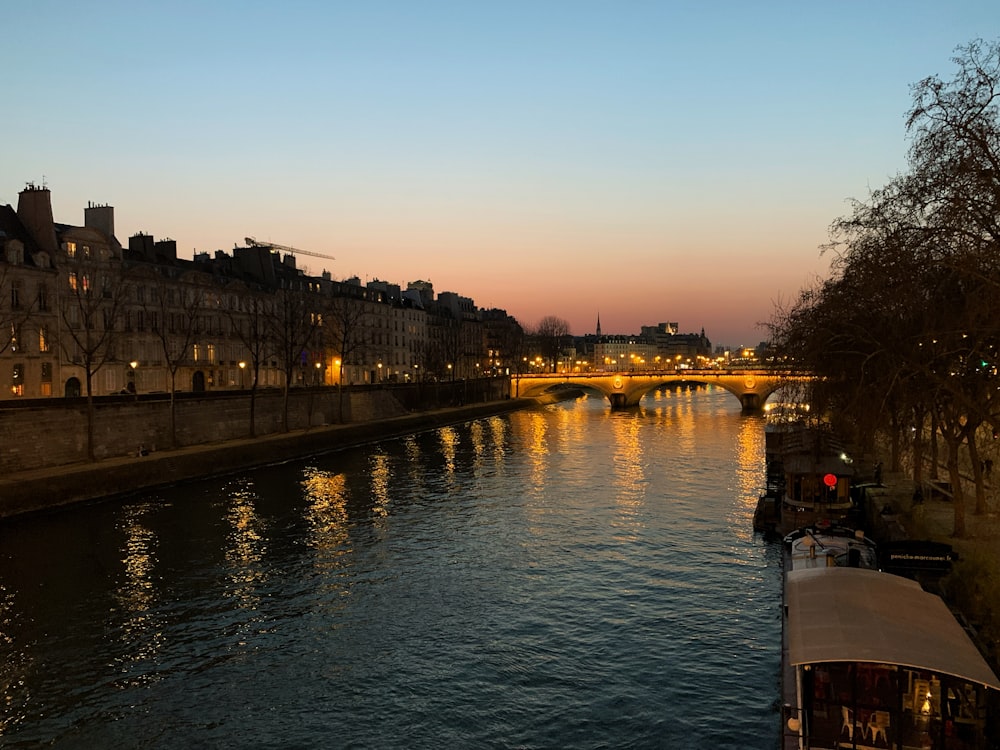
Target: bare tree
<point>174,313</point>
<point>90,308</point>
<point>249,314</point>
<point>551,332</point>
<point>345,332</point>
<point>293,328</point>
<point>908,326</point>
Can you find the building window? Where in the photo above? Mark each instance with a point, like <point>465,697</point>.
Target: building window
<point>72,280</point>
<point>196,352</point>
<point>43,339</point>
<point>45,388</point>
<point>15,295</point>
<point>15,334</point>
<point>43,297</point>
<point>17,383</point>
<point>71,249</point>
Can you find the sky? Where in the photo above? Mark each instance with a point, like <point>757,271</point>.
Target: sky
<point>644,162</point>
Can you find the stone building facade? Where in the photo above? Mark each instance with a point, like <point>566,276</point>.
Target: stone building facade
<point>81,313</point>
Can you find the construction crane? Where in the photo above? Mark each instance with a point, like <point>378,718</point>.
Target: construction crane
<point>251,242</point>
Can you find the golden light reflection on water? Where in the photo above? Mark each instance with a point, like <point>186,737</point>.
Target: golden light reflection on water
<point>477,434</point>
<point>245,547</point>
<point>537,445</point>
<point>14,667</point>
<point>141,630</point>
<point>379,469</point>
<point>449,444</point>
<point>750,471</point>
<point>414,460</point>
<point>499,434</point>
<point>326,496</point>
<point>629,468</point>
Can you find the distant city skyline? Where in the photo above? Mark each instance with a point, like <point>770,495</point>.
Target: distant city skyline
<point>647,162</point>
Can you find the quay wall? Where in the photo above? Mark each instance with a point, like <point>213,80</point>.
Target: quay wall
<point>47,433</point>
<point>127,475</point>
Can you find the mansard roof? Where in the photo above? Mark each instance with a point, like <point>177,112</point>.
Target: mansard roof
<point>12,228</point>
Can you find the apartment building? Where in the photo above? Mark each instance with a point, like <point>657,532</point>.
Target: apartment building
<point>81,313</point>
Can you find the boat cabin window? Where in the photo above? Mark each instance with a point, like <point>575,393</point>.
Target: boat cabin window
<point>863,705</point>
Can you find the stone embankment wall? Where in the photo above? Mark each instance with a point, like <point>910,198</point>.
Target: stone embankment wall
<point>50,433</point>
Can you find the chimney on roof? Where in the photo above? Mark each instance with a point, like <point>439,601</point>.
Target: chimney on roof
<point>34,209</point>
<point>101,218</point>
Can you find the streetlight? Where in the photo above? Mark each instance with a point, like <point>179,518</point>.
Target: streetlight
<point>318,365</point>
<point>243,367</point>
<point>380,372</point>
<point>133,364</point>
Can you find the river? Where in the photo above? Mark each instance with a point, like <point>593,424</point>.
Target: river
<point>561,577</point>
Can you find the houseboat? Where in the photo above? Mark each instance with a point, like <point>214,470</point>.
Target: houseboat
<point>809,475</point>
<point>870,659</point>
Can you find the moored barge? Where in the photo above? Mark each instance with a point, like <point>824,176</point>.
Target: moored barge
<point>870,659</point>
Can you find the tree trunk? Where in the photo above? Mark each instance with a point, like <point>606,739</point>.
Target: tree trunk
<point>934,446</point>
<point>977,473</point>
<point>919,418</point>
<point>173,409</point>
<point>955,477</point>
<point>90,417</point>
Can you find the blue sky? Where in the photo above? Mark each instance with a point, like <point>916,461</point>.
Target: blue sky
<point>647,161</point>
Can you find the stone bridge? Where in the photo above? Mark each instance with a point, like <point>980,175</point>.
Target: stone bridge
<point>626,389</point>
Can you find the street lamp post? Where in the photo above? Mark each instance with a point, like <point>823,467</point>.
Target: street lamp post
<point>135,388</point>
<point>243,367</point>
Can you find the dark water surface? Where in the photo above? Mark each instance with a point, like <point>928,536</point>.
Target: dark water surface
<point>566,577</point>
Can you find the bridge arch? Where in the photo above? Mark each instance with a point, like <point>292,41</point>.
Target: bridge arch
<point>625,390</point>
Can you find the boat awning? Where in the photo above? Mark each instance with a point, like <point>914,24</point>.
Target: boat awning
<point>859,615</point>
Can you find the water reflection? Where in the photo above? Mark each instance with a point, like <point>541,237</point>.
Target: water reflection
<point>448,436</point>
<point>538,449</point>
<point>749,450</point>
<point>499,430</point>
<point>629,464</point>
<point>14,667</point>
<point>245,548</point>
<point>140,630</point>
<point>326,496</point>
<point>379,471</point>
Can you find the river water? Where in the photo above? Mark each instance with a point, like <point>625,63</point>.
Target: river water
<point>563,577</point>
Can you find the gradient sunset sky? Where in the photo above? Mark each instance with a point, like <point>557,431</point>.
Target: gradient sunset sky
<point>645,161</point>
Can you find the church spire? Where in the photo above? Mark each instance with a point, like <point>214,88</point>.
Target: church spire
<point>598,324</point>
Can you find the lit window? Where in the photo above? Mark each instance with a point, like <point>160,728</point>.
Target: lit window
<point>43,339</point>
<point>71,249</point>
<point>17,384</point>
